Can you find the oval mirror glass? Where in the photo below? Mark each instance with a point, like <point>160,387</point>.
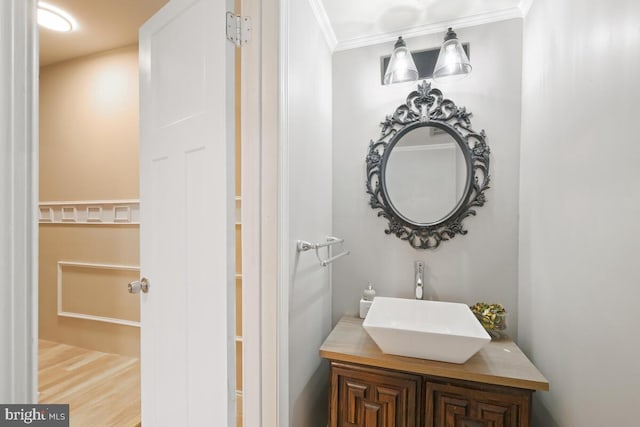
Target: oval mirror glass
<point>425,175</point>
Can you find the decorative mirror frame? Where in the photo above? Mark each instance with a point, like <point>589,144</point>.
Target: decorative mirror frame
<point>428,107</point>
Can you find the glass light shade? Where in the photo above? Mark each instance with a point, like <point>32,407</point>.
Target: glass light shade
<point>55,18</point>
<point>452,63</point>
<point>401,67</point>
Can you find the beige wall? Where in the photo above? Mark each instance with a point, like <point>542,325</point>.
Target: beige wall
<point>89,127</point>
<point>89,151</point>
<point>91,244</point>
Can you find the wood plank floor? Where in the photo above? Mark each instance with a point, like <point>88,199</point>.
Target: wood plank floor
<point>102,389</point>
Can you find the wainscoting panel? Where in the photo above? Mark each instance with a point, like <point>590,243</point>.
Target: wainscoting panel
<point>98,292</point>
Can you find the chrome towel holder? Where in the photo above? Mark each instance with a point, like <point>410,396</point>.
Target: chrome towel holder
<point>303,246</point>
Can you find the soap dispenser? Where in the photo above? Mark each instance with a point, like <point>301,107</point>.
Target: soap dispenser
<point>367,299</point>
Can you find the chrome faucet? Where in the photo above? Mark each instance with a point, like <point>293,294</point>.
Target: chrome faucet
<point>419,279</point>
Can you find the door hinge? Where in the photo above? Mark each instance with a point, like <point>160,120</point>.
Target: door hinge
<point>238,29</point>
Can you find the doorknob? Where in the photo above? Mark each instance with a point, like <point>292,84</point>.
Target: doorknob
<point>139,285</point>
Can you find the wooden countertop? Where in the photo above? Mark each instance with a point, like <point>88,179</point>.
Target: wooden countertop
<point>499,362</point>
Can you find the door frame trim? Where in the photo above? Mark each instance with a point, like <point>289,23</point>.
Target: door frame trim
<point>251,218</point>
<point>19,65</point>
<point>283,237</point>
<point>260,82</point>
<point>19,117</point>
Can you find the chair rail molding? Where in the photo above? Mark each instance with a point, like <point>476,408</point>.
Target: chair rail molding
<point>94,212</point>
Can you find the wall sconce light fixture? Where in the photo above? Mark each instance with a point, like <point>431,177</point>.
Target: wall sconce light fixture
<point>452,63</point>
<point>401,67</point>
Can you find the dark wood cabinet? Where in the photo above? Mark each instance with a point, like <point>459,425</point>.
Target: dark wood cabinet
<point>363,396</point>
<point>368,397</point>
<point>467,404</point>
<point>373,389</point>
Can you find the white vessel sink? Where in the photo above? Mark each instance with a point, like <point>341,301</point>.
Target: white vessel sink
<point>444,331</point>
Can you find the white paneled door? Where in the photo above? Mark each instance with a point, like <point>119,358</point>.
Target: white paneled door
<point>187,214</point>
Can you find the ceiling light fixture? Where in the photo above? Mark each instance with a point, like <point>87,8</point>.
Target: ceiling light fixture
<point>54,18</point>
<point>452,63</point>
<point>401,67</point>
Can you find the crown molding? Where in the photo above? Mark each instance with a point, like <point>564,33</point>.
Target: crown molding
<point>524,6</point>
<point>434,28</point>
<point>325,24</point>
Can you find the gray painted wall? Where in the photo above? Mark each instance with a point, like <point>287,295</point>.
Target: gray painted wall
<point>309,212</point>
<point>479,266</point>
<point>580,210</point>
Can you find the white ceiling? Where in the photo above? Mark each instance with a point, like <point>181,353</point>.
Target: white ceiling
<point>107,24</point>
<point>354,23</point>
<point>102,25</point>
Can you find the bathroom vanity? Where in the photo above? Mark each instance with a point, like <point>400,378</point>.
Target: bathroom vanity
<point>369,388</point>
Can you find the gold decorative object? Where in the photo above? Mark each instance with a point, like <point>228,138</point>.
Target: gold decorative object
<point>493,318</point>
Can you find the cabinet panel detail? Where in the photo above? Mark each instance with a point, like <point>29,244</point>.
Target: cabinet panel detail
<point>497,415</point>
<point>467,422</point>
<point>365,397</point>
<point>355,395</point>
<point>456,406</point>
<point>450,409</point>
<point>373,416</point>
<point>391,399</point>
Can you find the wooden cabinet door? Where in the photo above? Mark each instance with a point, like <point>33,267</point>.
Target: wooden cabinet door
<point>370,397</point>
<point>450,405</point>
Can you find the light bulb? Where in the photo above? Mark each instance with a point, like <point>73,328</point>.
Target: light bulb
<point>452,63</point>
<point>401,66</point>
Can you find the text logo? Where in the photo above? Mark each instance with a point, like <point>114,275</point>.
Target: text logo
<point>34,415</point>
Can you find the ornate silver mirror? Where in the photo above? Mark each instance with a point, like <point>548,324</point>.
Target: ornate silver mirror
<point>428,170</point>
